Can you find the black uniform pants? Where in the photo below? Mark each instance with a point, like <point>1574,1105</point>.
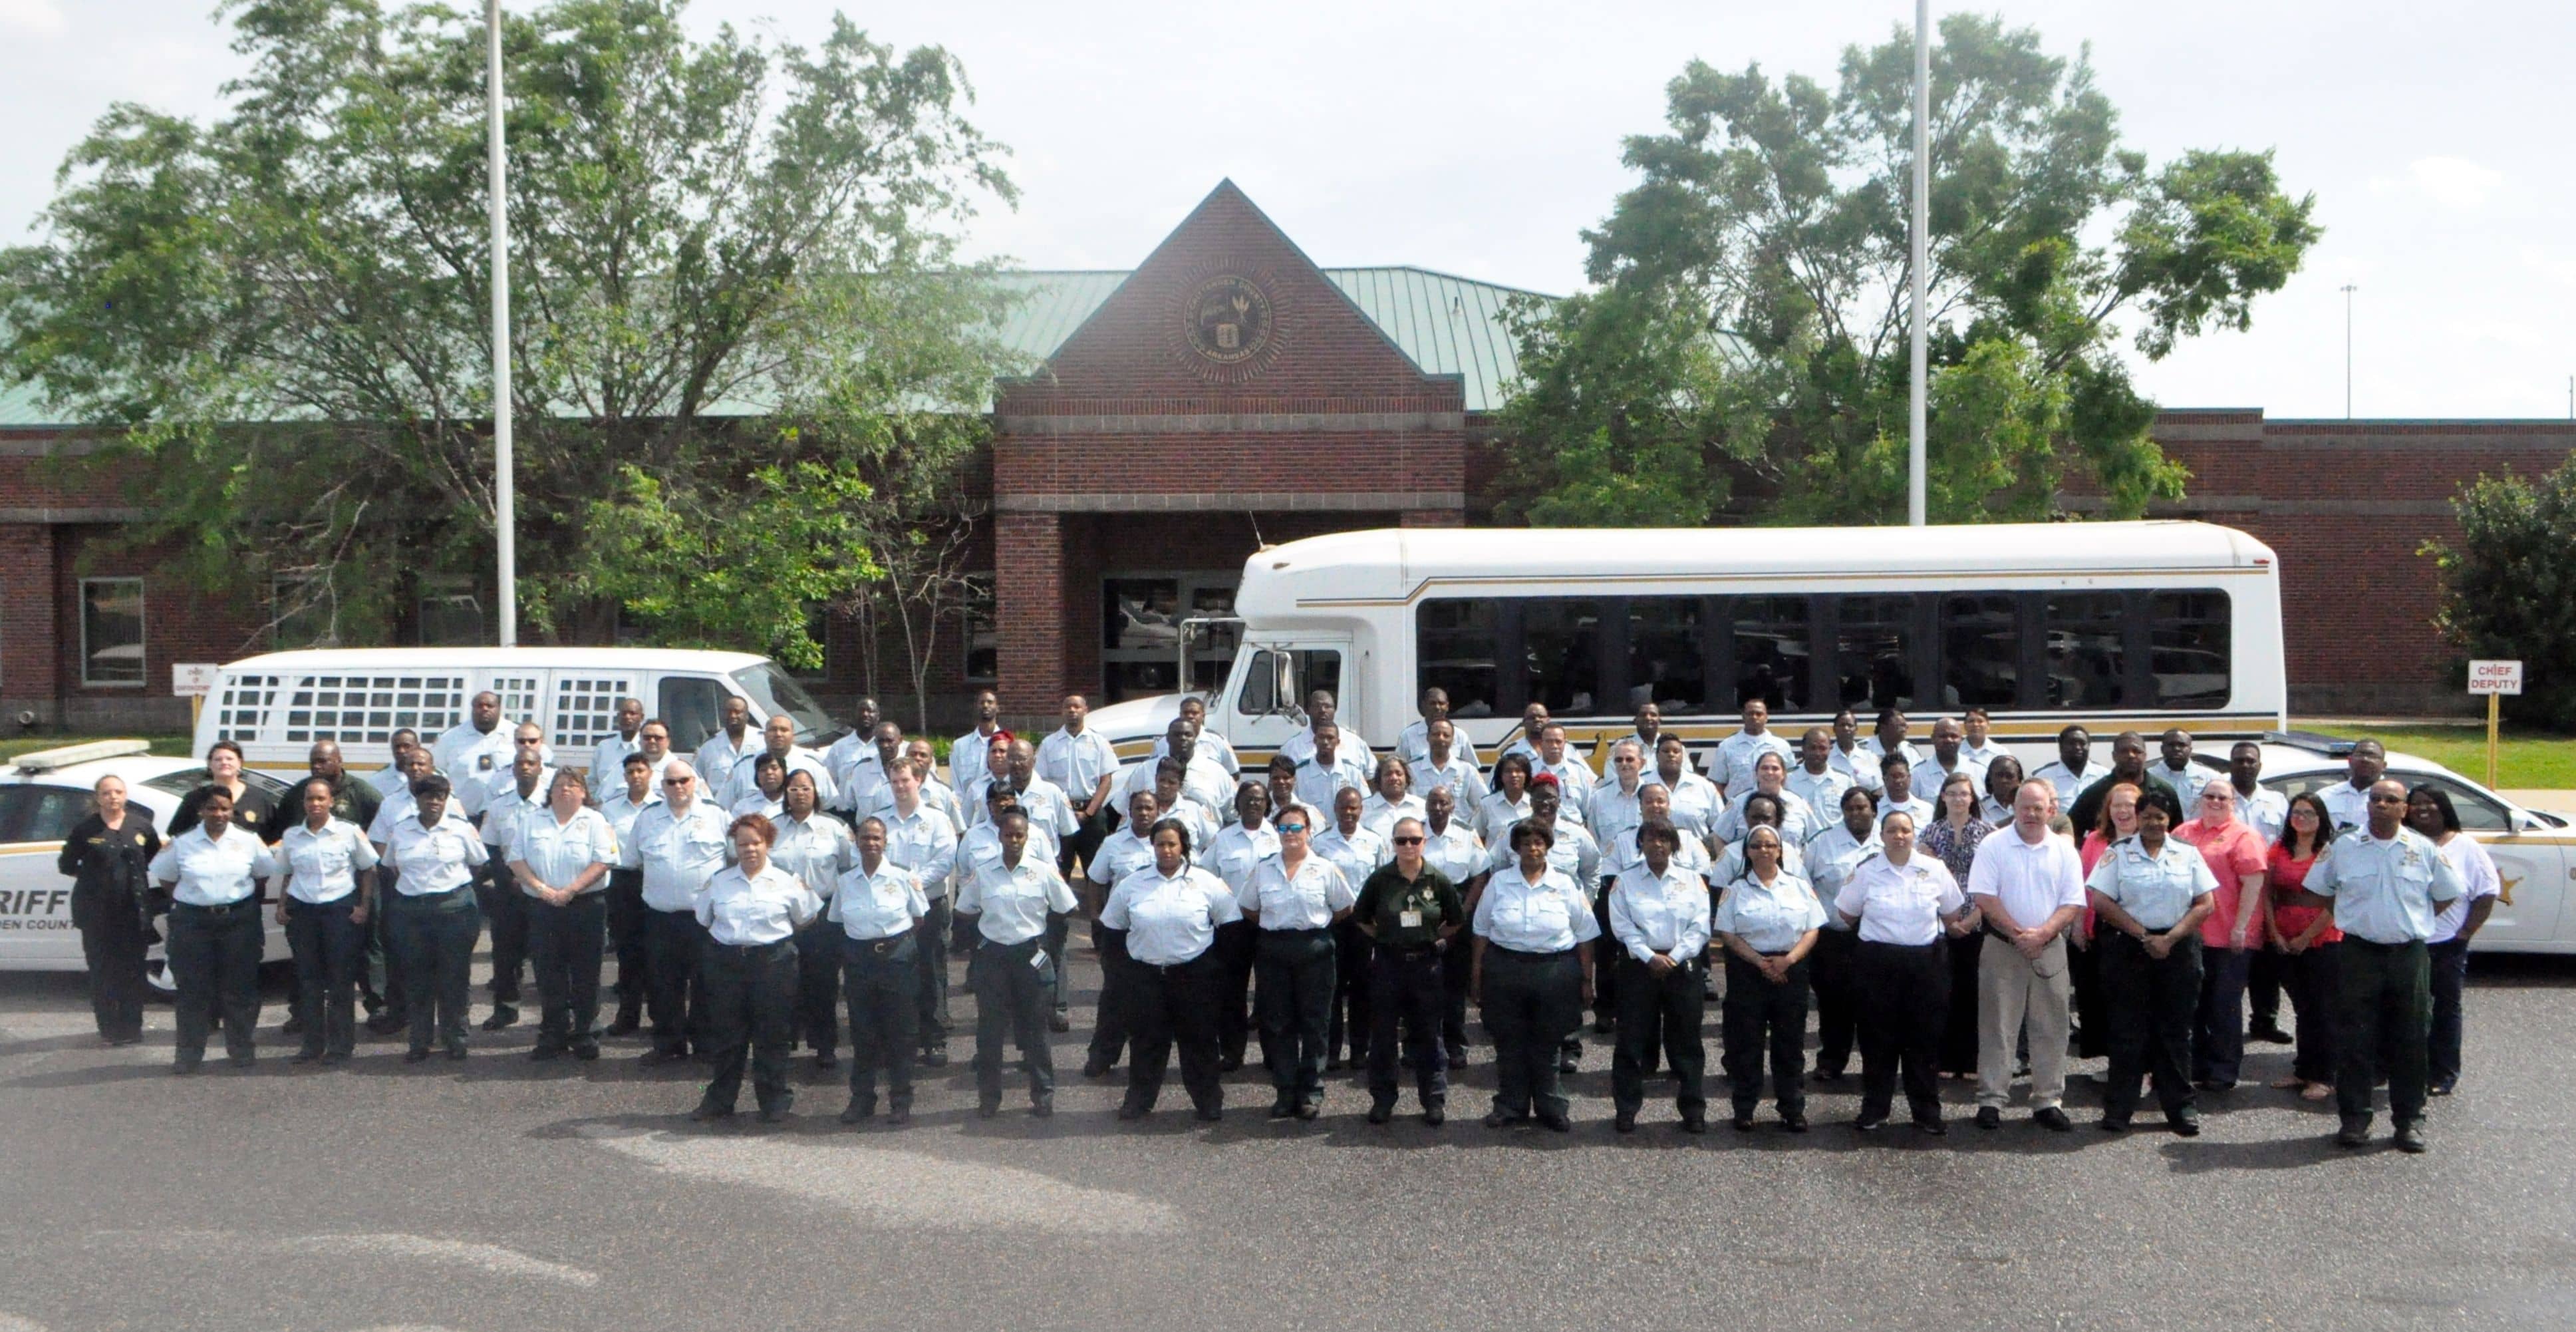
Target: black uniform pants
<point>930,997</point>
<point>2151,1001</point>
<point>1904,1007</point>
<point>505,913</point>
<point>112,945</point>
<point>330,950</point>
<point>1959,1032</point>
<point>2267,974</point>
<point>1011,997</point>
<point>1297,981</point>
<point>1352,949</point>
<point>1234,948</point>
<point>1409,997</point>
<point>1762,1017</point>
<point>1605,979</point>
<point>881,979</point>
<point>2092,1016</point>
<point>383,983</point>
<point>1457,967</point>
<point>751,1017</point>
<point>2449,962</point>
<point>818,985</point>
<point>1168,1006</point>
<point>676,990</point>
<point>1109,1026</point>
<point>1533,1001</point>
<point>1833,972</point>
<point>1667,1012</point>
<point>214,960</point>
<point>2218,1020</point>
<point>627,917</point>
<point>2383,995</point>
<point>2314,979</point>
<point>565,944</point>
<point>434,953</point>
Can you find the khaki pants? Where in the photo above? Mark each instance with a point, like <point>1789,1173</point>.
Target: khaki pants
<point>2012,990</point>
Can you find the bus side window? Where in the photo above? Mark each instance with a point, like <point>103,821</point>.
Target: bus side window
<point>693,707</point>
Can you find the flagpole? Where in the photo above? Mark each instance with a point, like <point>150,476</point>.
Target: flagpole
<point>1915,389</point>
<point>504,506</point>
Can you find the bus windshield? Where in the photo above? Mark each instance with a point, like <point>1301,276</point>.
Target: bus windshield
<point>773,691</point>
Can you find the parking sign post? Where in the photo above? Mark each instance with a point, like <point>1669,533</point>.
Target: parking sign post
<point>2495,679</point>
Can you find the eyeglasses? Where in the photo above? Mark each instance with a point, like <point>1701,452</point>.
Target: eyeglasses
<point>2216,798</point>
<point>675,781</point>
<point>1408,841</point>
<point>1292,827</point>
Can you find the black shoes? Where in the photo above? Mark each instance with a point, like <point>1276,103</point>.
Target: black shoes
<point>1129,1111</point>
<point>654,1058</point>
<point>2442,1089</point>
<point>503,1016</point>
<point>1989,1118</point>
<point>386,1024</point>
<point>2053,1119</point>
<point>825,1061</point>
<point>2114,1124</point>
<point>1381,1112</point>
<point>1626,1122</point>
<point>545,1051</point>
<point>1869,1123</point>
<point>2354,1133</point>
<point>1795,1123</point>
<point>899,1116</point>
<point>1435,1114</point>
<point>2271,1035</point>
<point>1283,1108</point>
<point>304,1056</point>
<point>1569,1063</point>
<point>1602,1026</point>
<point>1209,1114</point>
<point>2185,1123</point>
<point>416,1054</point>
<point>935,1056</point>
<point>627,1022</point>
<point>585,1050</point>
<point>1497,1119</point>
<point>988,1109</point>
<point>1310,1110</point>
<point>2410,1138</point>
<point>771,1114</point>
<point>709,1112</point>
<point>1931,1128</point>
<point>858,1112</point>
<point>1744,1123</point>
<point>1042,1109</point>
<point>1096,1067</point>
<point>1694,1124</point>
<point>1060,1022</point>
<point>1556,1123</point>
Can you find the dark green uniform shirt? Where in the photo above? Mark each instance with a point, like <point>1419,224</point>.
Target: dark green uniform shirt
<point>1408,913</point>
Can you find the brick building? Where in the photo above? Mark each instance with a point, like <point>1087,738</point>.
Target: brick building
<point>1229,392</point>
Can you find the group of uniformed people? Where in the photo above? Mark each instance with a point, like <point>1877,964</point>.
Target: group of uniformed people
<point>1953,916</point>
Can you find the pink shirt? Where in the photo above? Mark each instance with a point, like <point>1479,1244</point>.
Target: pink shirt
<point>2233,850</point>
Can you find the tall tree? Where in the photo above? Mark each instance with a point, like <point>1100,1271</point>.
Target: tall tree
<point>2509,586</point>
<point>1747,323</point>
<point>283,311</point>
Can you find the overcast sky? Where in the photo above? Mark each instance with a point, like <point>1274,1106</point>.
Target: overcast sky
<point>1480,138</point>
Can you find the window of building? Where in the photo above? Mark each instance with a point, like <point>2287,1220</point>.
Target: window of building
<point>112,632</point>
<point>1142,619</point>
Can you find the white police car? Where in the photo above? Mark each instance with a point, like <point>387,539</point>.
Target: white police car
<point>2534,850</point>
<point>42,796</point>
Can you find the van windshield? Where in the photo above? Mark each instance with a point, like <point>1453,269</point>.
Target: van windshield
<point>772,691</point>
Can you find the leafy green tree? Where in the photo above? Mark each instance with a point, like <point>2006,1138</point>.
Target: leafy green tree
<point>733,261</point>
<point>2509,586</point>
<point>1746,333</point>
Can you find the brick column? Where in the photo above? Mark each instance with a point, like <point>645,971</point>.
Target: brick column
<point>29,650</point>
<point>1432,518</point>
<point>1029,592</point>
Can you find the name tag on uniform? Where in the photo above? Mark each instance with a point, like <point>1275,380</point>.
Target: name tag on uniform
<point>1411,920</point>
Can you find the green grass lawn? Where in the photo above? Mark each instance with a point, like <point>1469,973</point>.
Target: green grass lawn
<point>2527,759</point>
<point>14,746</point>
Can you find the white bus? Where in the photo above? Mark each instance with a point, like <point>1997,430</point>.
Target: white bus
<point>2143,625</point>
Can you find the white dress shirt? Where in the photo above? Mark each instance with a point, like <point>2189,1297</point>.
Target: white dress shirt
<point>715,758</point>
<point>1900,904</point>
<point>1730,867</point>
<point>857,769</point>
<point>678,850</point>
<point>1798,819</point>
<point>558,850</point>
<point>2032,881</point>
<point>1573,854</point>
<point>1413,744</point>
<point>1301,746</point>
<point>1859,763</point>
<point>967,755</point>
<point>323,866</point>
<point>2266,812</point>
<point>1169,919</point>
<point>1929,774</point>
<point>1455,851</point>
<point>1732,765</point>
<point>1076,761</point>
<point>1459,774</point>
<point>1823,791</point>
<point>216,871</point>
<point>2478,878</point>
<point>2068,783</point>
<point>1012,902</point>
<point>744,781</point>
<point>1610,811</point>
<point>502,808</point>
<point>1696,803</point>
<point>1203,781</point>
<point>435,859</point>
<point>877,905</point>
<point>1624,854</point>
<point>1769,917</point>
<point>2348,805</point>
<point>1318,782</point>
<point>1574,782</point>
<point>1305,900</point>
<point>469,757</point>
<point>1214,748</point>
<point>1238,851</point>
<point>1121,853</point>
<point>740,909</point>
<point>1832,855</point>
<point>620,812</point>
<point>924,843</point>
<point>1049,808</point>
<point>1548,916</point>
<point>608,760</point>
<point>1495,816</point>
<point>1663,913</point>
<point>1357,854</point>
<point>1379,817</point>
<point>815,851</point>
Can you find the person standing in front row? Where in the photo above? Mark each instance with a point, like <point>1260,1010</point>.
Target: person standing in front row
<point>1659,917</point>
<point>751,911</point>
<point>330,891</point>
<point>214,873</point>
<point>108,858</point>
<point>2429,811</point>
<point>2387,882</point>
<point>2028,886</point>
<point>2231,934</point>
<point>1012,904</point>
<point>433,854</point>
<point>2150,894</point>
<point>1411,914</point>
<point>1167,915</point>
<point>560,855</point>
<point>1532,976</point>
<point>879,907</point>
<point>2303,932</point>
<point>1899,901</point>
<point>1768,922</point>
<point>1294,901</point>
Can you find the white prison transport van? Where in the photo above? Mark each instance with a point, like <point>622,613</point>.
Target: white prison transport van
<point>2115,625</point>
<point>276,705</point>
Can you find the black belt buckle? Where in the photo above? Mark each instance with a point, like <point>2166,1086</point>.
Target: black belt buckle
<point>883,946</point>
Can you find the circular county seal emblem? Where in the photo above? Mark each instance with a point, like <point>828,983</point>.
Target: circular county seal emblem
<point>1228,320</point>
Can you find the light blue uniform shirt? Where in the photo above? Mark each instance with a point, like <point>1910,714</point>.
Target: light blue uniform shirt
<point>1012,902</point>
<point>1460,776</point>
<point>1318,782</point>
<point>1771,917</point>
<point>1378,817</point>
<point>1573,854</point>
<point>1457,852</point>
<point>1305,900</point>
<point>1831,857</point>
<point>1358,853</point>
<point>436,859</point>
<point>1730,867</point>
<point>1076,763</point>
<point>1169,920</point>
<point>1798,819</point>
<point>740,909</point>
<point>558,851</point>
<point>1696,803</point>
<point>2385,892</point>
<point>212,872</point>
<point>924,842</point>
<point>1666,913</point>
<point>678,852</point>
<point>1237,852</point>
<point>323,866</point>
<point>1549,916</point>
<point>2068,783</point>
<point>2157,890</point>
<point>1413,744</point>
<point>1121,853</point>
<point>879,905</point>
<point>815,851</point>
<point>1731,766</point>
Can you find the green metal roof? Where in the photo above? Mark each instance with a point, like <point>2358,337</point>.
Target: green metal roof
<point>1448,325</point>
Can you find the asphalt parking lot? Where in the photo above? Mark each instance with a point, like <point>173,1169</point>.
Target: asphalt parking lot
<point>499,1193</point>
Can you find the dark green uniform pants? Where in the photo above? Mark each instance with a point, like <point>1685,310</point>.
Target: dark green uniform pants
<point>1763,1018</point>
<point>1667,1013</point>
<point>2151,1001</point>
<point>882,980</point>
<point>2383,993</point>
